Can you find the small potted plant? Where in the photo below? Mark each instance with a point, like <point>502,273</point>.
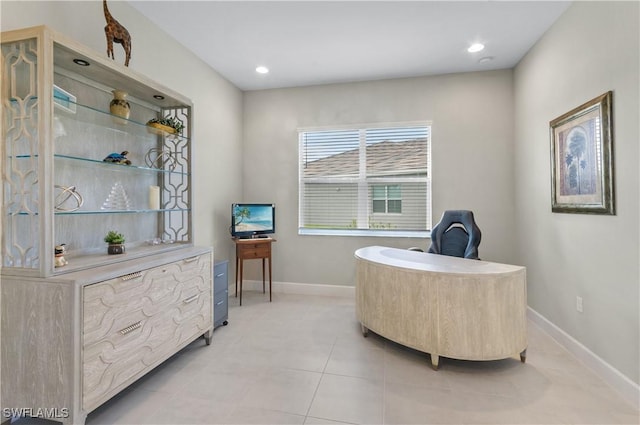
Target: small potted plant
<point>115,241</point>
<point>170,125</point>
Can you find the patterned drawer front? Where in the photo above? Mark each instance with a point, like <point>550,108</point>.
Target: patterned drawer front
<point>131,325</point>
<point>195,264</point>
<point>193,313</point>
<point>117,303</point>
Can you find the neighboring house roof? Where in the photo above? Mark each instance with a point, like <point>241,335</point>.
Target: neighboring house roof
<point>383,159</point>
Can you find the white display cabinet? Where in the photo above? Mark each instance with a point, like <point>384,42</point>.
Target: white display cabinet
<point>57,129</point>
<point>75,335</point>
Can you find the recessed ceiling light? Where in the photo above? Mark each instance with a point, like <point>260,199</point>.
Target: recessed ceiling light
<point>81,62</point>
<point>262,70</point>
<point>475,48</point>
<point>485,59</point>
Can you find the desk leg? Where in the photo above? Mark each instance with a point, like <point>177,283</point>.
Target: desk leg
<point>269,277</point>
<point>365,330</point>
<point>241,269</point>
<point>263,276</point>
<point>237,260</point>
<point>435,359</point>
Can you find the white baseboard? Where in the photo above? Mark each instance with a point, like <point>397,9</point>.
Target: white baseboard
<point>303,288</point>
<point>613,377</point>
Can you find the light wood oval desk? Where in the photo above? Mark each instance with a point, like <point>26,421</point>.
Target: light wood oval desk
<point>445,306</point>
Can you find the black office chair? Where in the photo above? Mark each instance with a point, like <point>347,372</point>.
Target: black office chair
<point>456,235</point>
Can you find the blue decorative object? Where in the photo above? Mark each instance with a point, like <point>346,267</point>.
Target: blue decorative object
<point>118,158</point>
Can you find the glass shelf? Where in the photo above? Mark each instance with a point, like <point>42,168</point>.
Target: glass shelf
<point>98,212</point>
<point>107,119</point>
<point>117,167</point>
<point>111,166</point>
<point>134,211</point>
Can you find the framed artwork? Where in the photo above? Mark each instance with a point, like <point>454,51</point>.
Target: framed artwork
<point>582,159</point>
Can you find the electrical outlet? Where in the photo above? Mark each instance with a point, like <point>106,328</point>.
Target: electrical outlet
<point>579,304</point>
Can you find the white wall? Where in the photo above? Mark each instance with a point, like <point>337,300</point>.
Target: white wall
<point>591,49</point>
<point>472,117</point>
<point>217,103</point>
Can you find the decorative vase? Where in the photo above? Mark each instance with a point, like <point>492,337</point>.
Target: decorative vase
<point>119,105</point>
<point>115,248</point>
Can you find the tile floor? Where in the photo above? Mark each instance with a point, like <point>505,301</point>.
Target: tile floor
<point>303,360</point>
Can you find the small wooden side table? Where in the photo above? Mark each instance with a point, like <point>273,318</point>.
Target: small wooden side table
<point>249,249</point>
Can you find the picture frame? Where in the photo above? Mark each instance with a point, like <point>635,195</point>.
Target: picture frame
<point>582,174</point>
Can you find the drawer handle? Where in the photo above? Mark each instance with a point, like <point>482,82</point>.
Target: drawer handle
<point>131,328</point>
<point>131,276</point>
<point>220,302</point>
<point>220,275</point>
<point>192,259</point>
<point>191,299</point>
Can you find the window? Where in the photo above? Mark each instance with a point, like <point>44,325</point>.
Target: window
<point>365,181</point>
<point>387,199</point>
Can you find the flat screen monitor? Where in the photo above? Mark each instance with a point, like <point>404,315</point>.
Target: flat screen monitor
<point>253,220</point>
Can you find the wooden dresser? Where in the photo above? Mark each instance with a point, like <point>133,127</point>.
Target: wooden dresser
<point>71,342</point>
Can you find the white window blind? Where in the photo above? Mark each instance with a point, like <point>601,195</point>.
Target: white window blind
<point>364,180</point>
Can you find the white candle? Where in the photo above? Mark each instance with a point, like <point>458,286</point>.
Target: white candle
<point>154,197</point>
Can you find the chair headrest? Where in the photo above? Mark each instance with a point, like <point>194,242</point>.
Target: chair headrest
<point>466,219</point>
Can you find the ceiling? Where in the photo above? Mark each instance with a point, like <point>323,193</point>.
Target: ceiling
<point>317,42</point>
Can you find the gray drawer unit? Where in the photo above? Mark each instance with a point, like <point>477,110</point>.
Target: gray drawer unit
<point>220,293</point>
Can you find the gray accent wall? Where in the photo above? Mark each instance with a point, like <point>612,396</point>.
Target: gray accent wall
<point>591,49</point>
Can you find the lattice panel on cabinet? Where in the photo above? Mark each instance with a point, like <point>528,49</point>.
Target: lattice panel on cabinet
<point>176,185</point>
<point>21,228</point>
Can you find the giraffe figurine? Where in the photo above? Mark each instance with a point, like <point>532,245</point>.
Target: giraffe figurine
<point>116,33</point>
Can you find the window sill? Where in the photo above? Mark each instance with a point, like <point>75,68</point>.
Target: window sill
<point>367,232</point>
